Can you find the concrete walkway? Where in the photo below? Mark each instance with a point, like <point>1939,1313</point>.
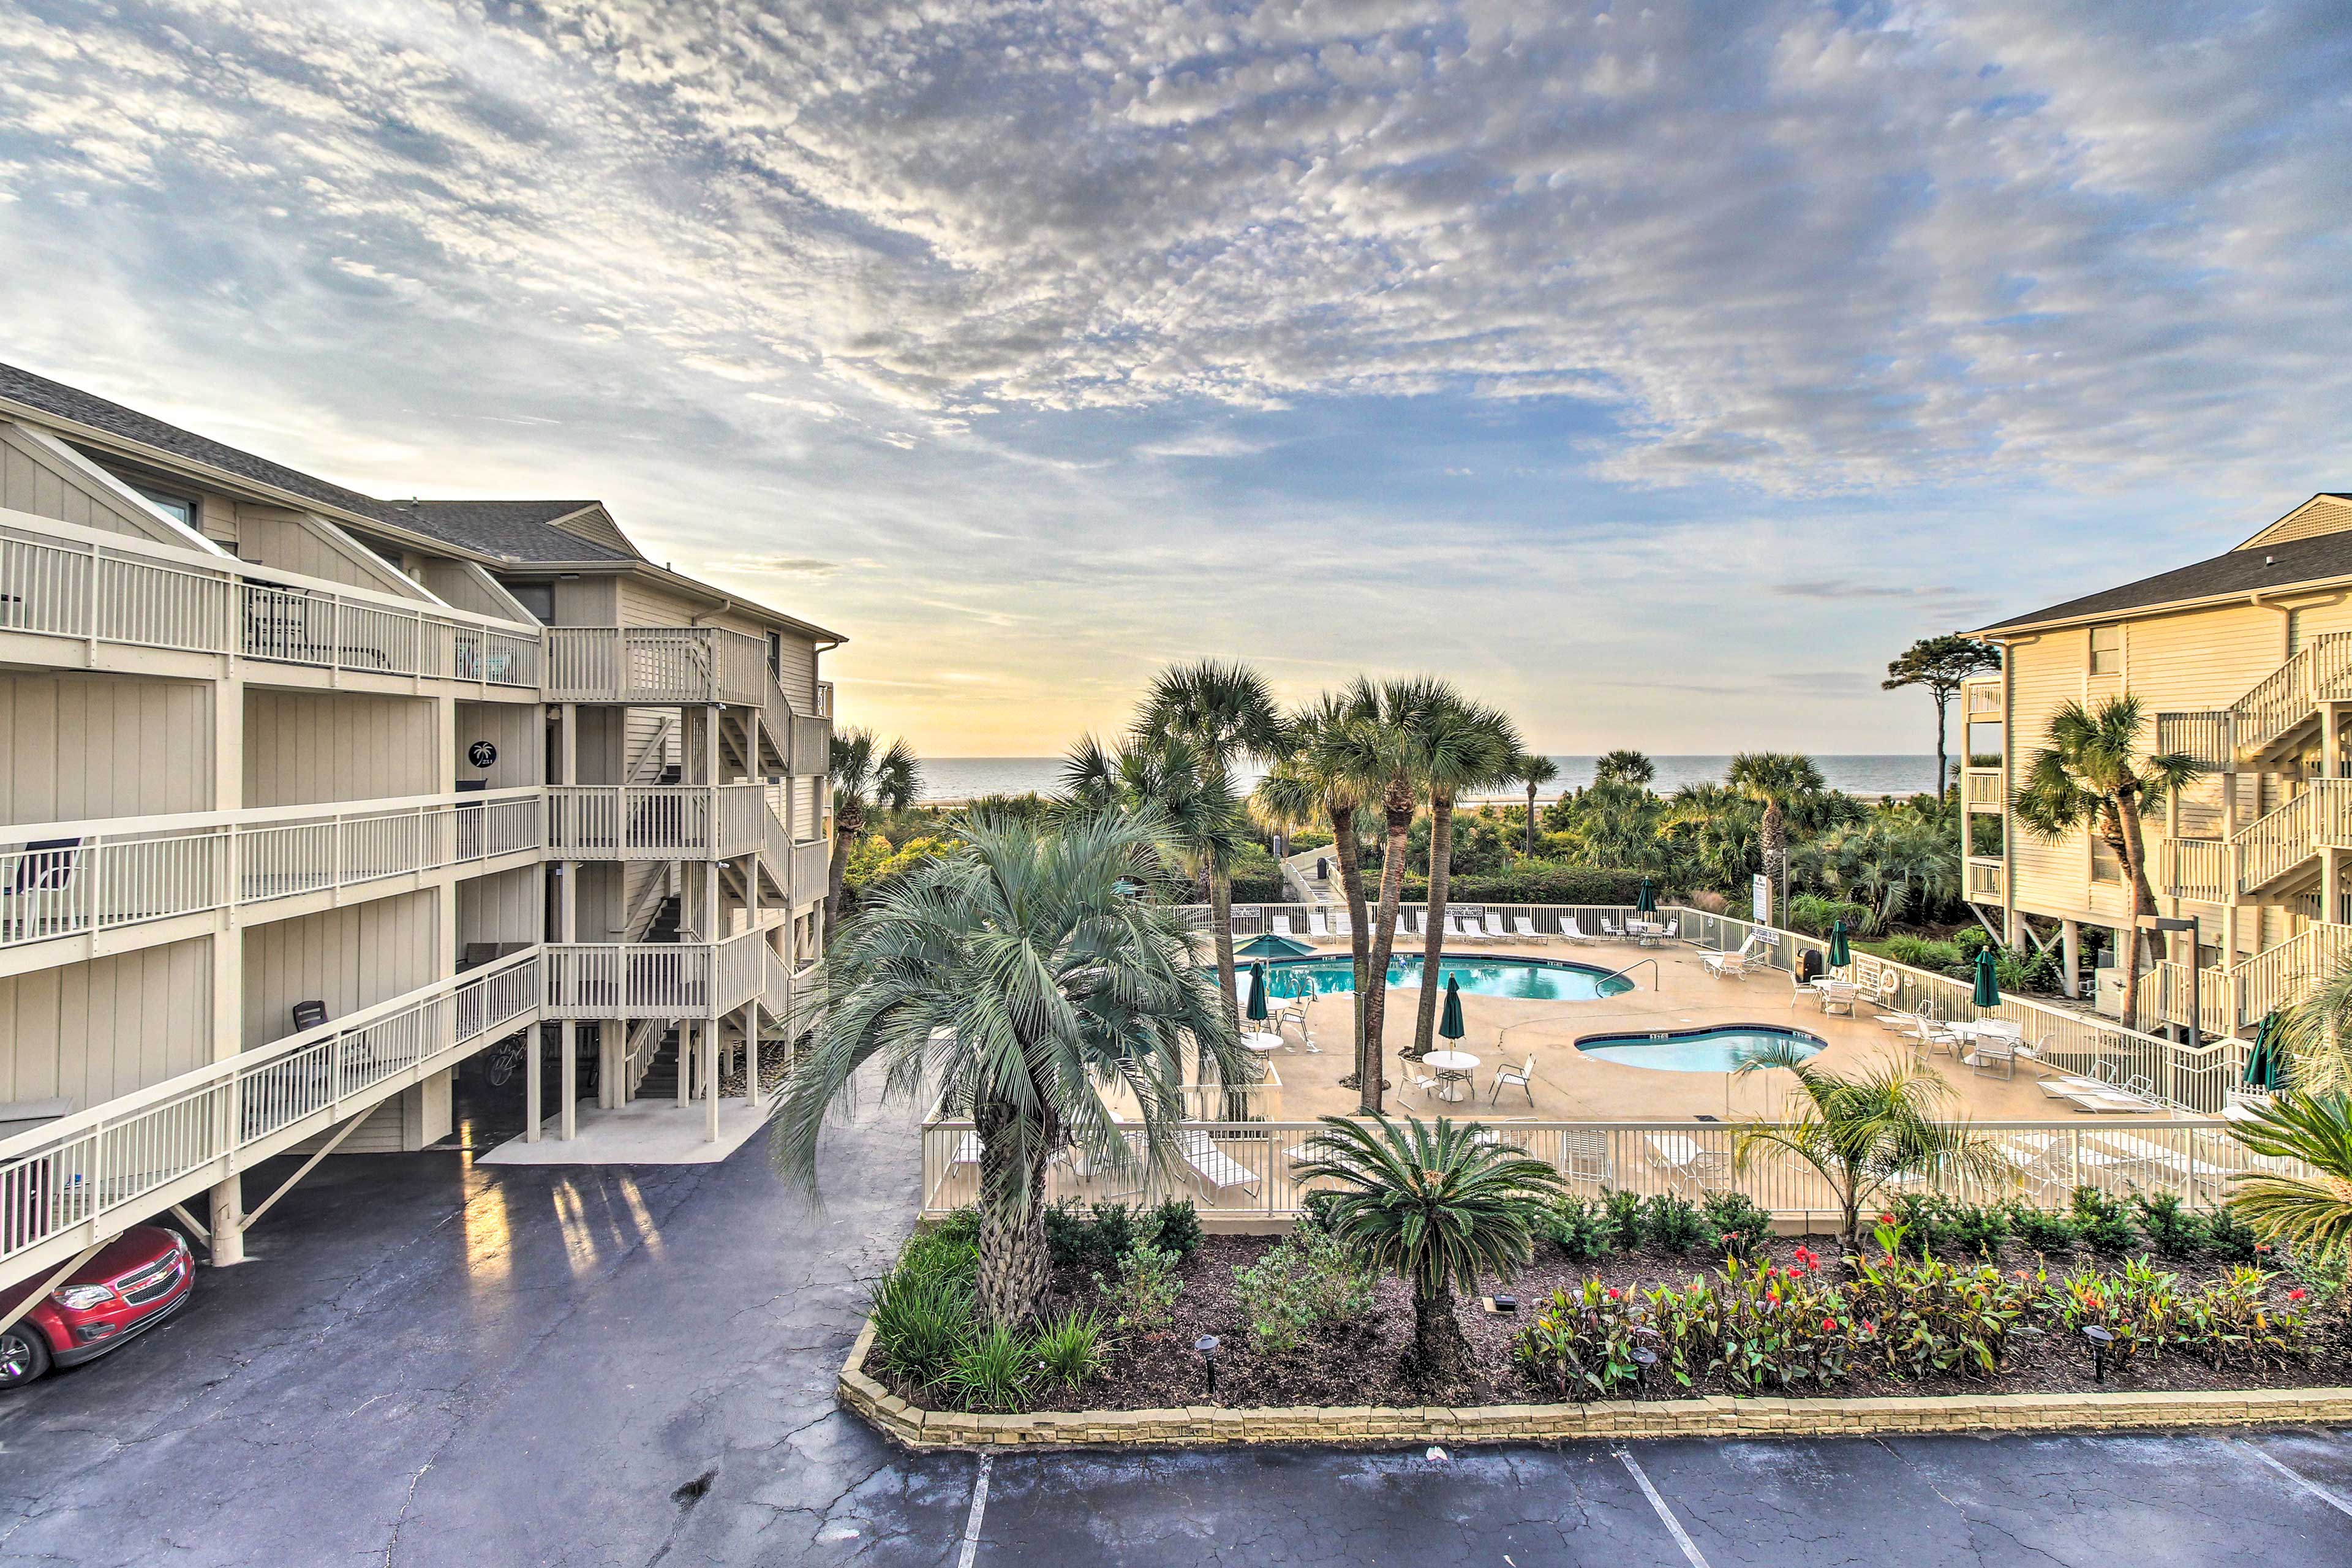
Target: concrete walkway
<point>642,1132</point>
<point>431,1363</point>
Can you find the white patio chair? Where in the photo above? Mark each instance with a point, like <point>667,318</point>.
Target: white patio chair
<point>1837,996</point>
<point>1522,1078</point>
<point>1525,928</point>
<point>1494,925</point>
<point>1281,925</point>
<point>1573,932</point>
<point>1752,956</point>
<point>1212,1166</point>
<point>1689,1163</point>
<point>1609,929</point>
<point>1584,1157</point>
<point>1342,923</point>
<point>1318,924</point>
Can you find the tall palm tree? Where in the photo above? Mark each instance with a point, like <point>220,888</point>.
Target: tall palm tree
<point>2090,778</point>
<point>1462,746</point>
<point>1225,714</point>
<point>1381,749</point>
<point>1439,1207</point>
<point>1625,766</point>
<point>1776,779</point>
<point>1715,831</point>
<point>1310,783</point>
<point>1020,977</point>
<point>1192,804</point>
<point>1862,1129</point>
<point>2311,1213</point>
<point>1535,772</point>
<point>866,775</point>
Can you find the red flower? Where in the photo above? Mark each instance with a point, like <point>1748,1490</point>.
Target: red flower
<point>1614,1292</point>
<point>1869,1326</point>
<point>1773,1296</point>
<point>2295,1294</point>
<point>1886,1219</point>
<point>1827,1325</point>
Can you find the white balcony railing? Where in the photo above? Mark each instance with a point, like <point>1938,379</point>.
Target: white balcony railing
<point>76,1181</point>
<point>652,980</point>
<point>659,666</point>
<point>75,878</point>
<point>1981,788</point>
<point>2196,869</point>
<point>655,822</point>
<point>811,867</point>
<point>60,581</point>
<point>1983,880</point>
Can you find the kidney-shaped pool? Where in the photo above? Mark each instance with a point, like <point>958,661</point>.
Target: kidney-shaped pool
<point>1722,1048</point>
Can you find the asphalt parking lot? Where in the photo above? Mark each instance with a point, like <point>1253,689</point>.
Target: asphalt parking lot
<point>430,1362</point>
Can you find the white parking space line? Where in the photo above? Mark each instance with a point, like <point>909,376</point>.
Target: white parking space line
<point>1665,1515</point>
<point>2314,1488</point>
<point>979,1511</point>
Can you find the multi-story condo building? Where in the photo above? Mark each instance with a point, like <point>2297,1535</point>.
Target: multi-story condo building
<point>305,797</point>
<point>2244,662</point>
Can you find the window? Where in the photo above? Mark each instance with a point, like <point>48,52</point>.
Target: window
<point>776,654</point>
<point>2105,865</point>
<point>2106,650</point>
<point>181,510</point>
<point>538,598</point>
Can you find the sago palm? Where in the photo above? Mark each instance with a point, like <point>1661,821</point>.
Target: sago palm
<point>1224,713</point>
<point>1776,781</point>
<point>1023,977</point>
<point>866,775</point>
<point>1864,1129</point>
<point>1437,1206</point>
<point>2311,1213</point>
<point>1462,746</point>
<point>2091,778</point>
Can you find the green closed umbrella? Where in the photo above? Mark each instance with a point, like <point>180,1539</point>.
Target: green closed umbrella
<point>1988,993</point>
<point>1272,946</point>
<point>1840,953</point>
<point>1646,902</point>
<point>1255,1011</point>
<point>1450,1023</point>
<point>2264,1067</point>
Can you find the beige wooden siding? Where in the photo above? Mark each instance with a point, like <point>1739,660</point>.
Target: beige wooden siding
<point>466,587</point>
<point>77,746</point>
<point>348,958</point>
<point>92,1031</point>
<point>596,524</point>
<point>294,542</point>
<point>643,603</point>
<point>2044,673</point>
<point>518,730</point>
<point>303,748</point>
<point>503,907</point>
<point>34,477</point>
<point>2320,514</point>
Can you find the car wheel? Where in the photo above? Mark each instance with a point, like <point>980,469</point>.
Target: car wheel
<point>24,1354</point>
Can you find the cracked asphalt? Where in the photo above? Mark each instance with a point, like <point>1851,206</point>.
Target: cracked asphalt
<point>430,1362</point>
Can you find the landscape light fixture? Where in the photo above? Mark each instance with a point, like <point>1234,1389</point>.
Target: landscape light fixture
<point>1207,1345</point>
<point>1644,1359</point>
<point>2100,1340</point>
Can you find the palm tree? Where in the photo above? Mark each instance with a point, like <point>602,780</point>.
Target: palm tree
<point>1462,746</point>
<point>2311,1213</point>
<point>1309,784</point>
<point>1625,766</point>
<point>1535,772</point>
<point>1864,1129</point>
<point>2090,778</point>
<point>1776,781</point>
<point>1021,977</point>
<point>1437,1206</point>
<point>1714,831</point>
<point>866,775</point>
<point>1191,804</point>
<point>1225,714</point>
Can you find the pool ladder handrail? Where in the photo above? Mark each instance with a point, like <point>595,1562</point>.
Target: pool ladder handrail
<point>1657,980</point>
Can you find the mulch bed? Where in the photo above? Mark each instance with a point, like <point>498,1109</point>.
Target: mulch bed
<point>1356,1363</point>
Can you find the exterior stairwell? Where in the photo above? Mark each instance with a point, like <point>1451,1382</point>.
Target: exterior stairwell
<point>2274,719</point>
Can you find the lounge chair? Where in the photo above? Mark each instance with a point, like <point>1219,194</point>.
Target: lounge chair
<point>1494,926</point>
<point>1525,928</point>
<point>2146,1156</point>
<point>1318,924</point>
<point>1522,1078</point>
<point>1752,956</point>
<point>1342,923</point>
<point>1573,931</point>
<point>1212,1166</point>
<point>1281,924</point>
<point>2099,1098</point>
<point>1610,929</point>
<point>1584,1157</point>
<point>1461,922</point>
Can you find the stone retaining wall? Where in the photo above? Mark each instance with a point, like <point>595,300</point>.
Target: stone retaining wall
<point>1715,1416</point>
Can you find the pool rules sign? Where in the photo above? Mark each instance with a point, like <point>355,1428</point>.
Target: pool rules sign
<point>1759,899</point>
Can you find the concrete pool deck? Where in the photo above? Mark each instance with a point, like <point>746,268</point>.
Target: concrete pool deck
<point>1571,1086</point>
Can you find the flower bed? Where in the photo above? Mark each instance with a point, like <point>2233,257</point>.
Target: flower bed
<point>1787,1321</point>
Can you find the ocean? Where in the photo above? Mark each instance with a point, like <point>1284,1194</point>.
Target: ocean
<point>961,778</point>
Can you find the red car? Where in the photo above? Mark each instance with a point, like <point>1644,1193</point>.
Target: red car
<point>129,1286</point>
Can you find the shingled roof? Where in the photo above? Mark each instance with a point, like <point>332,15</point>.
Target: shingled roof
<point>2259,568</point>
<point>511,529</point>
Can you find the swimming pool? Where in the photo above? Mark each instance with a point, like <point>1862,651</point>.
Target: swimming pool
<point>1523,979</point>
<point>1718,1049</point>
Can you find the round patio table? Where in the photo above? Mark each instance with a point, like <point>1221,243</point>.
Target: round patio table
<point>1261,1043</point>
<point>1453,1069</point>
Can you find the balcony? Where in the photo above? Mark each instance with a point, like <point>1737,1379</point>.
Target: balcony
<point>1980,788</point>
<point>656,980</point>
<point>657,667</point>
<point>1980,698</point>
<point>656,822</point>
<point>77,598</point>
<point>86,880</point>
<point>1983,879</point>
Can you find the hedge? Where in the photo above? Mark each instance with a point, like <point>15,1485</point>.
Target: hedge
<point>1538,882</point>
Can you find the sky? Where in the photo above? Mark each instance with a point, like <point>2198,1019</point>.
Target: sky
<point>1657,373</point>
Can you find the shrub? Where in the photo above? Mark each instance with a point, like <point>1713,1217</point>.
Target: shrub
<point>2046,1232</point>
<point>1924,1316</point>
<point>947,1250</point>
<point>1737,1223</point>
<point>2230,1238</point>
<point>2231,1321</point>
<point>1623,1212</point>
<point>1581,1346</point>
<point>993,1371</point>
<point>1921,952</point>
<point>1937,1226</point>
<point>2101,1222</point>
<point>1143,1298</point>
<point>2135,1305</point>
<point>1176,1226</point>
<point>2171,1230</point>
<point>1299,1287</point>
<point>1070,1349</point>
<point>1814,914</point>
<point>1583,1229</point>
<point>1760,1328</point>
<point>921,1321</point>
<point>1069,1234</point>
<point>1671,1224</point>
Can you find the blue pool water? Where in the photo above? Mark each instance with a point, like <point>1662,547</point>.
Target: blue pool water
<point>1720,1049</point>
<point>1523,979</point>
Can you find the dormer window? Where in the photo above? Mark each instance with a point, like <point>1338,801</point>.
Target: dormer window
<point>181,510</point>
